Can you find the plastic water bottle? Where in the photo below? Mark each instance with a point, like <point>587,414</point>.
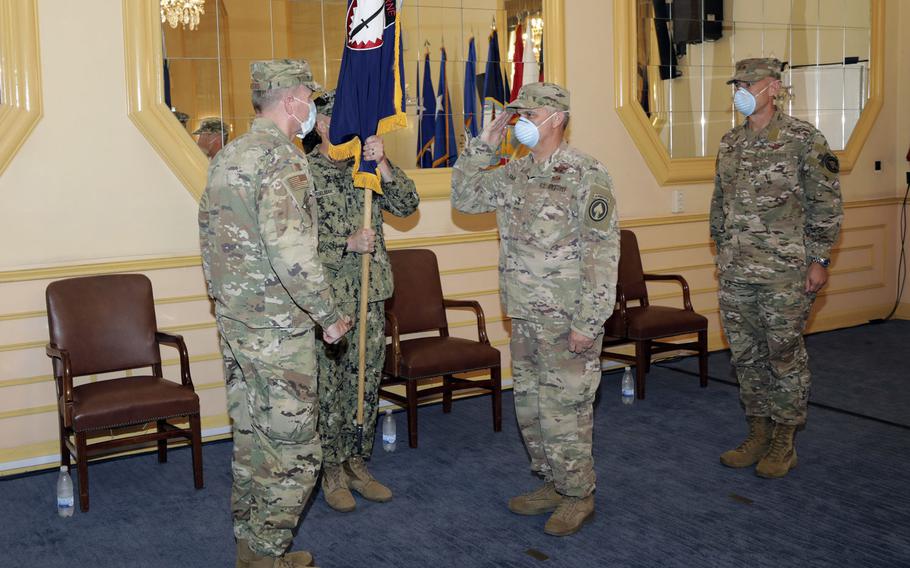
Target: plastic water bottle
<point>628,387</point>
<point>64,493</point>
<point>388,431</point>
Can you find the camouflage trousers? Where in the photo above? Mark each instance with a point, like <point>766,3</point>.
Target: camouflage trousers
<point>764,325</point>
<point>338,386</point>
<point>554,395</point>
<point>271,397</point>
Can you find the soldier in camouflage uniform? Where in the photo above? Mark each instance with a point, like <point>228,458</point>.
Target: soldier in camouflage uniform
<point>257,224</point>
<point>775,214</point>
<point>213,135</point>
<point>559,249</point>
<point>342,241</point>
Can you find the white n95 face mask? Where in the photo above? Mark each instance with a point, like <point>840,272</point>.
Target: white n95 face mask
<point>527,132</point>
<point>744,101</point>
<point>306,126</point>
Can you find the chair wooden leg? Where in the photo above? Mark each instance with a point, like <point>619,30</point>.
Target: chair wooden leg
<point>703,358</point>
<point>196,442</point>
<point>82,466</point>
<point>496,378</point>
<point>64,451</point>
<point>412,413</point>
<point>162,444</point>
<point>447,393</point>
<point>642,352</point>
<point>647,349</point>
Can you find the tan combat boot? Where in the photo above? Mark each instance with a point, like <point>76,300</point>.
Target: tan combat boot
<point>781,458</point>
<point>298,559</point>
<point>570,515</point>
<point>247,558</point>
<point>361,481</point>
<point>544,499</point>
<point>244,554</point>
<point>335,489</point>
<point>754,447</point>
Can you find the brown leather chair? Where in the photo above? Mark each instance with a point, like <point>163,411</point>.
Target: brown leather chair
<point>103,324</point>
<point>418,306</point>
<point>643,324</point>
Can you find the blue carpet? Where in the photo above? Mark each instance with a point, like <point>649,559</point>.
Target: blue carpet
<point>860,369</point>
<point>663,499</point>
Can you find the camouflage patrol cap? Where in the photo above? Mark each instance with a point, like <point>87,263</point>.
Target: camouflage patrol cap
<point>182,117</point>
<point>536,95</point>
<point>756,69</point>
<point>212,124</point>
<point>325,103</point>
<point>281,74</point>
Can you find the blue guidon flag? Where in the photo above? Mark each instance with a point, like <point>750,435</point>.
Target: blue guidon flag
<point>370,96</point>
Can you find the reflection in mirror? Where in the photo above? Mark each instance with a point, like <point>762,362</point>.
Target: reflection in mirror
<point>207,69</point>
<point>687,49</point>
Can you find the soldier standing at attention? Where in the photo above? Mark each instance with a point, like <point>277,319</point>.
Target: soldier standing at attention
<point>558,255</point>
<point>775,214</point>
<point>257,225</point>
<point>342,241</point>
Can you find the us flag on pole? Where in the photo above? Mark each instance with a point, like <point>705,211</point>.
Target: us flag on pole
<point>370,96</point>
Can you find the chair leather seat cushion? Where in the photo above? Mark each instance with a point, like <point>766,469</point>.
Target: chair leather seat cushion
<point>130,400</point>
<point>649,322</point>
<point>435,356</point>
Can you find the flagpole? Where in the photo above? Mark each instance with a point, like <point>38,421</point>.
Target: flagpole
<point>362,330</point>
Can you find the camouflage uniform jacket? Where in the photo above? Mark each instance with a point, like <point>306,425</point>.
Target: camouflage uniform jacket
<point>558,232</point>
<point>340,207</point>
<point>257,226</point>
<point>776,201</point>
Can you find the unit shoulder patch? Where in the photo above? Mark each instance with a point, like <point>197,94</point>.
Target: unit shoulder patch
<point>599,207</point>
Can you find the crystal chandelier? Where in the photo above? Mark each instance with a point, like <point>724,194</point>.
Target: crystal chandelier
<point>184,12</point>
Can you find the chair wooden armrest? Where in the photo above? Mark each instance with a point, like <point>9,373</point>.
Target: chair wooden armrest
<point>396,342</point>
<point>478,311</point>
<point>63,356</point>
<point>687,301</point>
<point>177,341</point>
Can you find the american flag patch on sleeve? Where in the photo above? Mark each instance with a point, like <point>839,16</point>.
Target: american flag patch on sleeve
<point>297,183</point>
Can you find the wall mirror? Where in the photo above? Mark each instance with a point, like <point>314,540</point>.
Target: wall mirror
<point>675,56</point>
<point>20,75</point>
<point>204,72</point>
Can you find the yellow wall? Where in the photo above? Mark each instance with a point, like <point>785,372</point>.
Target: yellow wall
<point>87,193</point>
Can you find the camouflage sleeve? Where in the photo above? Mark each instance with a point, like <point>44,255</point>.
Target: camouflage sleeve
<point>289,235</point>
<point>205,241</point>
<point>717,212</point>
<point>399,196</point>
<point>332,248</point>
<point>598,252</point>
<point>822,198</point>
<point>474,187</point>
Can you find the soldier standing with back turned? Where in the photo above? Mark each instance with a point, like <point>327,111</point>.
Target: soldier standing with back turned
<point>257,225</point>
<point>775,214</point>
<point>558,255</point>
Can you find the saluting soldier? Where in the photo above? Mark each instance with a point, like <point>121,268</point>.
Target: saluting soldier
<point>559,249</point>
<point>775,214</point>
